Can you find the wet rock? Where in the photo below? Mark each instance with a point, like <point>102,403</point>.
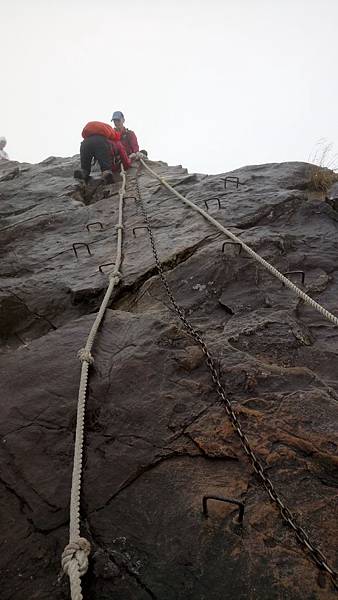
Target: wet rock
<point>157,438</point>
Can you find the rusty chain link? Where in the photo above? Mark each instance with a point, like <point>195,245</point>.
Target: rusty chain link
<point>316,555</point>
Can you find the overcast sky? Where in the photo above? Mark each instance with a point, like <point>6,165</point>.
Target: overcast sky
<point>209,84</point>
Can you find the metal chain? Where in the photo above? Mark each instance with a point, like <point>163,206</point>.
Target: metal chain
<point>301,535</point>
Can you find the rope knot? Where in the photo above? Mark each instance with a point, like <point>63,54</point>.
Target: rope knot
<point>115,276</point>
<point>76,552</point>
<point>85,356</point>
<point>119,227</point>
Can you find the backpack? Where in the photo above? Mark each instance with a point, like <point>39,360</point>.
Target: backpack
<point>98,128</point>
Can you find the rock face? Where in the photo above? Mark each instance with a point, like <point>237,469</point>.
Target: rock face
<point>157,439</point>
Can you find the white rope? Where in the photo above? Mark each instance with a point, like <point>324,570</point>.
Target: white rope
<point>75,555</point>
<point>329,316</point>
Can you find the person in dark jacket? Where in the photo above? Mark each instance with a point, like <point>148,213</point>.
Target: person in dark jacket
<point>102,143</point>
<point>127,137</point>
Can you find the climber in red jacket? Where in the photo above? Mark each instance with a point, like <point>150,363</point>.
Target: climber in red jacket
<point>128,137</point>
<point>101,142</point>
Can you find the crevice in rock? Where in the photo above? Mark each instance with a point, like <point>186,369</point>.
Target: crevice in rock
<point>149,467</point>
<point>49,215</point>
<point>168,264</point>
<point>120,438</point>
<point>205,454</point>
<point>122,563</point>
<point>19,476</point>
<point>47,530</point>
<point>41,425</point>
<point>23,503</point>
<point>94,191</point>
<point>33,313</point>
<point>196,418</point>
<point>274,210</point>
<point>14,213</point>
<point>90,297</point>
<point>11,175</point>
<point>226,308</point>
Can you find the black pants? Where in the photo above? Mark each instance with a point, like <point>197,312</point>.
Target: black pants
<point>98,147</point>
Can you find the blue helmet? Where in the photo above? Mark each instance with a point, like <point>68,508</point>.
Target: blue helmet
<point>117,115</point>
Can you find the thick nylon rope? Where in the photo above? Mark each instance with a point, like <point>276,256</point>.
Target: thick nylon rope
<point>75,555</point>
<point>329,316</point>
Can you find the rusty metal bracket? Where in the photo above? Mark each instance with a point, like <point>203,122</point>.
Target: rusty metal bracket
<point>295,273</point>
<point>232,244</point>
<point>105,265</point>
<point>222,499</point>
<point>138,227</point>
<point>88,226</point>
<point>213,198</point>
<point>77,244</point>
<point>231,180</point>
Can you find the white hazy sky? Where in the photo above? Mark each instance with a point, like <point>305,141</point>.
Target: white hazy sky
<point>210,84</point>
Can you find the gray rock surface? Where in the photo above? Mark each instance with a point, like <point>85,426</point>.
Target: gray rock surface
<point>157,439</point>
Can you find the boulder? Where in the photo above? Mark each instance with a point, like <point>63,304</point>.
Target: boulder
<point>157,438</point>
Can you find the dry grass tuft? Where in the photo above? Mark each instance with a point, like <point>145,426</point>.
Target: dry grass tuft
<point>323,172</point>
